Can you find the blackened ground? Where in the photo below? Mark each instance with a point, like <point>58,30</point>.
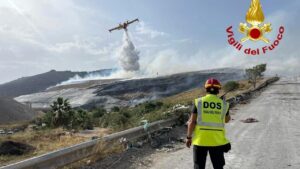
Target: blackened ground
<point>163,86</point>
<point>14,148</point>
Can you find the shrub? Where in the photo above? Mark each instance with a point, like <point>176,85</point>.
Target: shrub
<point>151,106</point>
<point>231,85</point>
<point>255,72</point>
<point>115,109</point>
<point>47,118</point>
<point>83,120</point>
<point>99,112</point>
<point>115,120</point>
<point>62,115</point>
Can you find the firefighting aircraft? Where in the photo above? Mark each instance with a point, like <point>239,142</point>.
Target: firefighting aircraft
<point>124,25</point>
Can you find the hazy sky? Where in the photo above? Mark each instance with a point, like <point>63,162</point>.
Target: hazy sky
<point>173,35</point>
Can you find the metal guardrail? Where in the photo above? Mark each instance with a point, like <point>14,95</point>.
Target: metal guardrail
<point>80,151</point>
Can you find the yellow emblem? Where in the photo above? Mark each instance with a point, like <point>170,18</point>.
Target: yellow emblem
<point>255,17</point>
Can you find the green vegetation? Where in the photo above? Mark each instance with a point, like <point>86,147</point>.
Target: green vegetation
<point>115,109</point>
<point>62,115</point>
<point>152,106</point>
<point>230,86</point>
<point>99,112</point>
<point>254,73</point>
<point>127,117</point>
<point>115,120</point>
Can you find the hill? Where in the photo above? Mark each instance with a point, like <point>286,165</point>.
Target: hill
<point>40,82</point>
<point>114,92</point>
<point>11,111</point>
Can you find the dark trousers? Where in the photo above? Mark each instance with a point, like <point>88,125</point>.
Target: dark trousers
<point>216,156</point>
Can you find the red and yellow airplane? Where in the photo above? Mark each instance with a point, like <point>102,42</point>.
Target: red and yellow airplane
<point>124,25</point>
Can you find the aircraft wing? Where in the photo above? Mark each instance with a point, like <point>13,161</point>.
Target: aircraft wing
<point>116,28</point>
<point>136,20</point>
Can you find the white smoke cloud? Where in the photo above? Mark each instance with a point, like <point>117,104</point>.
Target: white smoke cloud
<point>77,79</point>
<point>168,62</point>
<point>128,55</point>
<point>118,74</point>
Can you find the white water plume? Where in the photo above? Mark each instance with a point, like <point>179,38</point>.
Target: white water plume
<point>128,59</point>
<point>128,55</point>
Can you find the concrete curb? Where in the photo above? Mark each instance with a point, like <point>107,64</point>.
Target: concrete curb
<point>80,151</point>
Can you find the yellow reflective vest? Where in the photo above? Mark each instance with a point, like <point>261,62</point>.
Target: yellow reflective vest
<point>209,130</point>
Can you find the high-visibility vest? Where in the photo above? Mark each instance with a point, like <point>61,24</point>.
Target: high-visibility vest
<point>209,130</point>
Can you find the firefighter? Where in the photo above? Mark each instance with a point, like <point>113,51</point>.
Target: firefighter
<point>206,127</point>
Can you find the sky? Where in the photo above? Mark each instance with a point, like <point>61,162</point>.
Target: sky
<point>172,36</point>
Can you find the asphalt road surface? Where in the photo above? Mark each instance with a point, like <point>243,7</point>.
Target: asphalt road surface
<point>271,143</point>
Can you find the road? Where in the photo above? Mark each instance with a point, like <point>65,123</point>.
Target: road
<point>272,143</point>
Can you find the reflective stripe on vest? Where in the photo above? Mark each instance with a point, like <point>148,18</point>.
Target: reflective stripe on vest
<point>201,123</point>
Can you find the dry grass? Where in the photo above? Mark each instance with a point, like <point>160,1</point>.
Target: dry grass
<point>12,125</point>
<point>188,96</point>
<point>184,97</point>
<point>102,150</point>
<point>244,86</point>
<point>44,141</point>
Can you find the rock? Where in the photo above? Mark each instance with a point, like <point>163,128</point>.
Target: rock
<point>33,127</point>
<point>168,146</point>
<point>250,120</point>
<point>154,143</point>
<point>243,102</point>
<point>2,132</point>
<point>14,148</point>
<point>181,139</point>
<point>10,132</point>
<point>139,144</point>
<point>95,137</point>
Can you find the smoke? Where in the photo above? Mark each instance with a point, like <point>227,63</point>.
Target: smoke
<point>78,79</point>
<point>128,55</point>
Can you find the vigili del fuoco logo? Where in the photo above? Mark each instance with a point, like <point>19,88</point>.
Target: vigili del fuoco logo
<point>254,30</point>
